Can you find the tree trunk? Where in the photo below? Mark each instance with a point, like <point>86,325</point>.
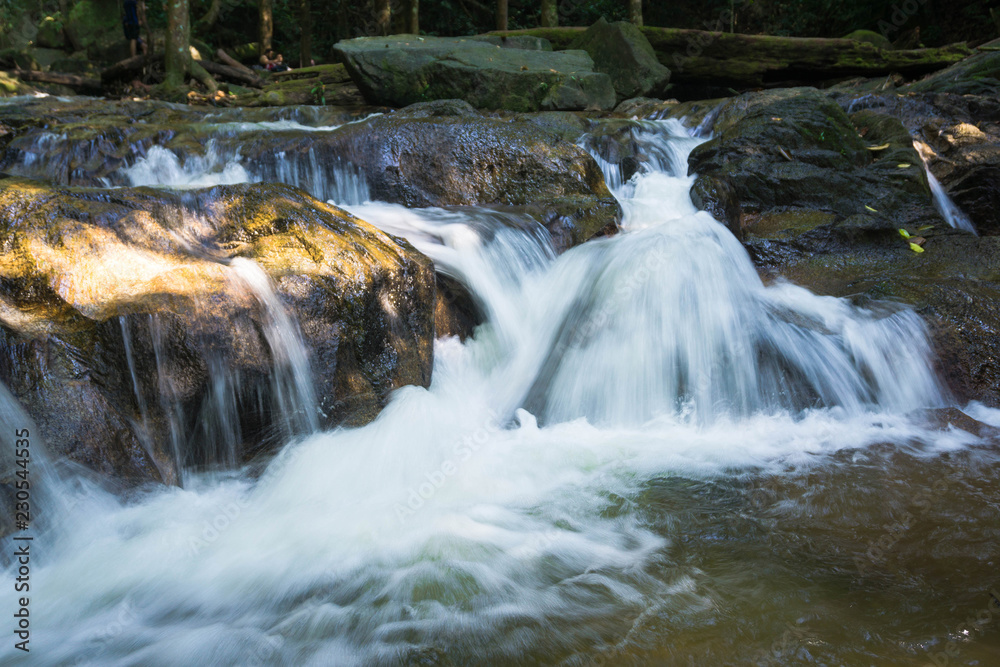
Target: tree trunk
<point>383,17</point>
<point>745,62</point>
<point>177,57</point>
<point>266,25</point>
<point>501,14</point>
<point>305,20</point>
<point>635,12</point>
<point>413,18</point>
<point>212,15</point>
<point>178,51</point>
<point>550,15</point>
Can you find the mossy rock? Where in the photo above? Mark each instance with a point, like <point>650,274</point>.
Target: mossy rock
<point>621,51</point>
<point>517,42</point>
<point>797,148</point>
<point>18,59</point>
<point>95,21</point>
<point>92,277</point>
<point>405,69</point>
<point>50,33</point>
<point>10,86</point>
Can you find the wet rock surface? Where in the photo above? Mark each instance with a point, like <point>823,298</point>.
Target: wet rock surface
<point>958,135</point>
<point>441,153</point>
<point>128,320</point>
<point>795,150</point>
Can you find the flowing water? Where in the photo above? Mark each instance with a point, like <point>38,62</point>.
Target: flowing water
<point>948,209</point>
<point>643,456</point>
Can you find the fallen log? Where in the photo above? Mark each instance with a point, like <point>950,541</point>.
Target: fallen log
<point>752,61</point>
<point>71,80</point>
<point>129,68</point>
<point>227,59</point>
<point>232,73</point>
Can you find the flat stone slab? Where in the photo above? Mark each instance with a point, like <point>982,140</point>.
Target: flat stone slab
<point>406,69</point>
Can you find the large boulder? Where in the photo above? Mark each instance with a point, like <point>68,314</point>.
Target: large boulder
<point>405,69</point>
<point>621,51</point>
<point>145,330</point>
<point>959,137</point>
<point>96,27</point>
<point>447,154</point>
<point>795,151</point>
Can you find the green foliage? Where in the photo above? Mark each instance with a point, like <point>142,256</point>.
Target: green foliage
<point>333,20</point>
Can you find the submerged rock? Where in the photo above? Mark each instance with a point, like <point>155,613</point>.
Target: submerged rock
<point>141,338</point>
<point>405,69</point>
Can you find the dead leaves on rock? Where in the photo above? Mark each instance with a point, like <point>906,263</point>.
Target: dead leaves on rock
<point>220,98</point>
<point>916,243</point>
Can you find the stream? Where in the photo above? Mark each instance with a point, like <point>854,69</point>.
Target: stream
<point>644,455</point>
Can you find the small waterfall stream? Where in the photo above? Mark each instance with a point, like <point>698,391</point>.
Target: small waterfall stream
<point>543,500</point>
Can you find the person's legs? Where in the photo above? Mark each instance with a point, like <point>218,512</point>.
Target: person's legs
<point>132,35</point>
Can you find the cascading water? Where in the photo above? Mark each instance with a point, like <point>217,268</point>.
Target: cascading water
<point>950,211</point>
<point>56,157</point>
<point>513,512</point>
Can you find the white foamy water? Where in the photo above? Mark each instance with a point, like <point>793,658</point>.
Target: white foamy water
<point>493,514</point>
<point>331,179</point>
<point>161,166</point>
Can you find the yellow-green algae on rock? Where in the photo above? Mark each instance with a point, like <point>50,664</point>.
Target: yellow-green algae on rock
<point>90,278</point>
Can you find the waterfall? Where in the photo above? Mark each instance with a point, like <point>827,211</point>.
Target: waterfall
<point>292,386</point>
<point>942,202</point>
<point>496,516</point>
<point>222,164</point>
<point>129,160</point>
<point>945,206</point>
